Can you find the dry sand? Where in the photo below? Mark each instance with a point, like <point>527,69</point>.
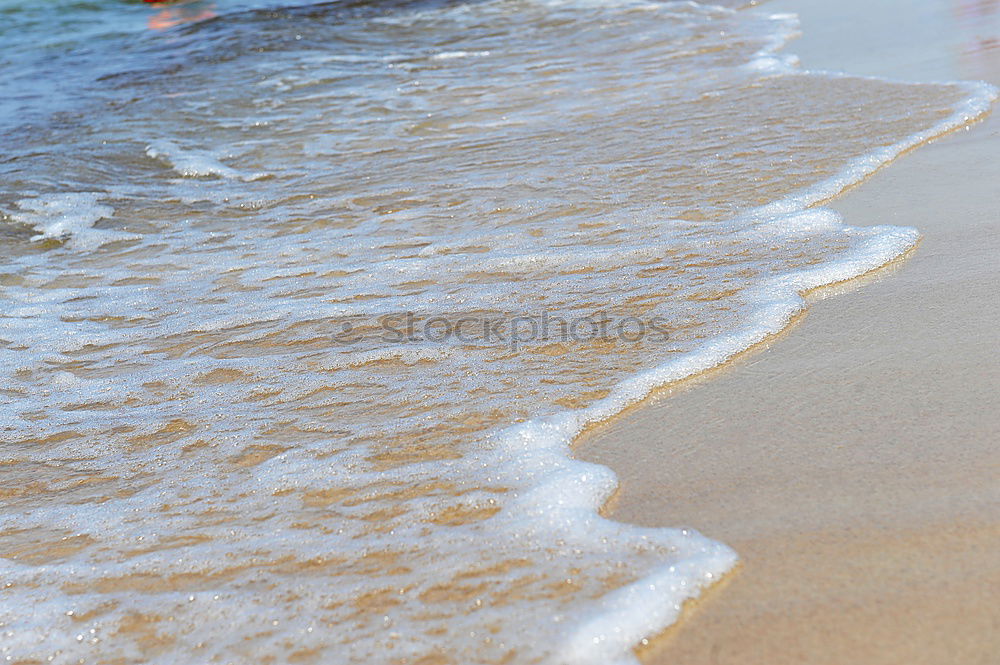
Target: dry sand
<point>853,462</point>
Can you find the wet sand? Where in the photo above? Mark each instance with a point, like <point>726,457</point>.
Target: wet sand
<point>853,461</point>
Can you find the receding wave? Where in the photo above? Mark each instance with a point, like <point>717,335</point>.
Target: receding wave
<point>325,415</point>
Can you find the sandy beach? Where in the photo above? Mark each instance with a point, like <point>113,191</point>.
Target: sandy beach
<point>304,304</point>
<point>852,461</point>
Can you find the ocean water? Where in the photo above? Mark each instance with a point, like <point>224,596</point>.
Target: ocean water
<point>301,308</point>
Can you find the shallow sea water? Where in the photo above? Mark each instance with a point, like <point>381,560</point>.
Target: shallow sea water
<point>302,308</point>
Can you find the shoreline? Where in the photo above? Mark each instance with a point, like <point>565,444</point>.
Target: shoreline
<point>198,442</point>
<point>842,557</point>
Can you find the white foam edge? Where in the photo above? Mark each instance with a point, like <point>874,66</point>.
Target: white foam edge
<point>69,217</point>
<point>564,495</point>
<point>452,55</point>
<point>575,491</point>
<point>193,163</point>
<point>642,609</point>
<point>981,97</point>
<point>572,492</point>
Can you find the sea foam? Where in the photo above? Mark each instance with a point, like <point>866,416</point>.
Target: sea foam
<point>68,217</point>
<point>327,415</point>
<point>193,163</point>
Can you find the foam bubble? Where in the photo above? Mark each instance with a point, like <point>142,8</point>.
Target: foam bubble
<point>193,163</point>
<point>68,217</point>
<point>252,417</point>
<point>450,55</point>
